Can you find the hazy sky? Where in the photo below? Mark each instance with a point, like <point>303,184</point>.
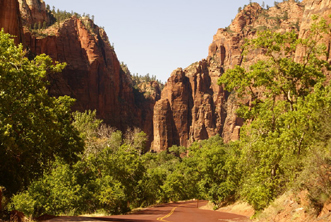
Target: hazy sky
<point>158,36</point>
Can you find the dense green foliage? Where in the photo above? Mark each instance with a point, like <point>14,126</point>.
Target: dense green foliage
<point>34,127</point>
<point>113,176</point>
<point>282,101</point>
<point>285,100</point>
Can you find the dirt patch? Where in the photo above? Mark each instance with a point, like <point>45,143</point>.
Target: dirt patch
<point>240,208</point>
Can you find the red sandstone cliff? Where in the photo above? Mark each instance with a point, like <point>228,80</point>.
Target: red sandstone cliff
<point>192,106</point>
<point>34,12</point>
<point>93,75</point>
<point>10,19</point>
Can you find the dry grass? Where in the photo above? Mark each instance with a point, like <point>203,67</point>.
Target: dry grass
<point>241,208</point>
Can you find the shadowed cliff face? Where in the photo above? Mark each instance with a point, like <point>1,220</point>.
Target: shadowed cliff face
<point>93,75</point>
<point>192,107</point>
<point>10,19</point>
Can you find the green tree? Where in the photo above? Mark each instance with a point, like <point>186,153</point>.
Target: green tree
<point>279,75</point>
<point>86,123</point>
<point>57,191</point>
<point>281,112</point>
<point>34,126</point>
<point>215,165</point>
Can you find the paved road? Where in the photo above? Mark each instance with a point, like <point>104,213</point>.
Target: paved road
<point>175,212</point>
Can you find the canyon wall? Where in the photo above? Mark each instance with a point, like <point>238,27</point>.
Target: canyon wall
<point>35,12</point>
<point>10,19</point>
<point>93,75</point>
<point>192,106</point>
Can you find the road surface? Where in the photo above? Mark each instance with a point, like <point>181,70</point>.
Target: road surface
<point>174,212</point>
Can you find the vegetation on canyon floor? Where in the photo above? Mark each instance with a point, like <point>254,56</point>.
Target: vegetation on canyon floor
<point>56,162</point>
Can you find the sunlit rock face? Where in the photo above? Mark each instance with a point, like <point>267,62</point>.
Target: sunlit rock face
<point>34,12</point>
<point>193,106</point>
<point>93,74</point>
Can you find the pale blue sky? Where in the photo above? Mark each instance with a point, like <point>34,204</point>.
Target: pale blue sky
<point>158,36</point>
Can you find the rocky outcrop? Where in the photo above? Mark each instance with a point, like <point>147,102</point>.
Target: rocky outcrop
<point>321,9</point>
<point>146,95</point>
<point>34,12</point>
<point>192,104</point>
<point>93,74</point>
<point>227,44</point>
<point>165,134</point>
<point>10,19</point>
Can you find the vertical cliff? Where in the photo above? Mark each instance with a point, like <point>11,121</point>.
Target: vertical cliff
<point>34,12</point>
<point>10,19</point>
<point>93,75</point>
<point>192,105</point>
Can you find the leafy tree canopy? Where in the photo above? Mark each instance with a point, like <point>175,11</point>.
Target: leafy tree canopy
<point>34,127</point>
